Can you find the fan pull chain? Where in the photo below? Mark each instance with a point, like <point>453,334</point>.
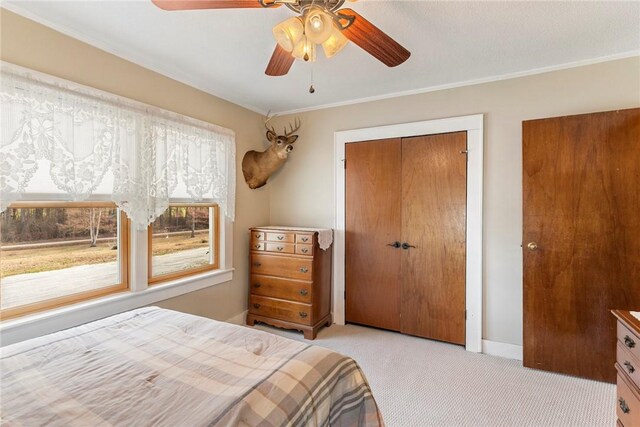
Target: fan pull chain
<point>311,88</point>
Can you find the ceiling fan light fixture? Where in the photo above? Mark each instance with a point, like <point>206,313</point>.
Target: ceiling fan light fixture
<point>335,43</point>
<point>305,49</point>
<point>288,33</point>
<point>318,25</point>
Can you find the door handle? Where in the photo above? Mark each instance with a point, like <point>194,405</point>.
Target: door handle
<point>406,246</point>
<point>533,246</point>
<point>394,245</point>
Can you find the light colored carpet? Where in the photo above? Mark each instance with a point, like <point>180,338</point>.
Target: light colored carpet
<point>418,382</point>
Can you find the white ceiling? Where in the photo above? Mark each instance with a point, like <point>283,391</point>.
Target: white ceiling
<point>225,52</point>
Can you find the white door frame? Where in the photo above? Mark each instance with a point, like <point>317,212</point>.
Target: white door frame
<point>473,125</point>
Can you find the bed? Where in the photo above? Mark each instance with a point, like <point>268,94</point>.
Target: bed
<point>158,367</point>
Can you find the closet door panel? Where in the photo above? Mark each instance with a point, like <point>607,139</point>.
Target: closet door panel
<point>373,205</point>
<point>434,177</point>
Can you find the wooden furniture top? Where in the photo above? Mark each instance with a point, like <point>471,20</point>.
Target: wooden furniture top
<point>628,319</point>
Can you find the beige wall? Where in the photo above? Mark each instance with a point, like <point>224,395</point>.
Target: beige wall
<point>26,43</point>
<point>303,192</point>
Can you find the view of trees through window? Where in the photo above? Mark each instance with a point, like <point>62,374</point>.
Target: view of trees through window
<point>49,252</point>
<point>180,240</point>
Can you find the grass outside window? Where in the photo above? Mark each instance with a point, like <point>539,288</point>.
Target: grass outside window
<point>183,241</point>
<point>58,253</point>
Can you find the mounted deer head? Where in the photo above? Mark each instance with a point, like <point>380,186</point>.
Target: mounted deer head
<point>257,166</point>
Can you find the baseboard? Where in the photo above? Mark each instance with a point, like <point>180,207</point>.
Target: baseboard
<point>500,349</point>
<point>238,319</point>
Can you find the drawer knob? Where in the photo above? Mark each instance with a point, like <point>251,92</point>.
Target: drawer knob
<point>258,235</point>
<point>304,292</point>
<point>305,239</point>
<point>304,270</point>
<point>280,248</point>
<point>623,406</point>
<point>256,285</point>
<point>629,342</point>
<point>305,250</point>
<point>258,246</point>
<point>629,367</point>
<point>256,306</point>
<point>280,237</point>
<point>257,264</point>
<point>303,314</point>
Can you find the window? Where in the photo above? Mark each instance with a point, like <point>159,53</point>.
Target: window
<point>183,241</point>
<point>56,253</point>
<point>62,144</point>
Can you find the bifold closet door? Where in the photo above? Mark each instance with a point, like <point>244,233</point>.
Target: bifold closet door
<point>581,238</point>
<point>373,204</point>
<point>434,205</point>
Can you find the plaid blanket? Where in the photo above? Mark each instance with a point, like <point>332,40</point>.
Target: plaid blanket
<point>163,368</point>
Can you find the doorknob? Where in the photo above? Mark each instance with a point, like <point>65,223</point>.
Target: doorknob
<point>406,246</point>
<point>394,245</point>
<point>533,246</point>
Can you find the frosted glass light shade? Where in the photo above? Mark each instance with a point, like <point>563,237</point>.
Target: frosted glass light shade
<point>288,33</point>
<point>335,43</point>
<point>305,49</point>
<point>318,25</point>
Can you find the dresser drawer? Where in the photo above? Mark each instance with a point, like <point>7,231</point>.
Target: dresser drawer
<point>629,364</point>
<point>304,238</point>
<point>283,248</point>
<point>257,245</point>
<point>283,266</point>
<point>279,309</point>
<point>627,404</point>
<point>304,249</point>
<point>257,235</point>
<point>281,237</point>
<point>275,287</point>
<point>629,339</point>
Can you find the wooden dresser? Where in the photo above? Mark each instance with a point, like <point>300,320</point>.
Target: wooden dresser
<point>290,280</point>
<point>628,366</point>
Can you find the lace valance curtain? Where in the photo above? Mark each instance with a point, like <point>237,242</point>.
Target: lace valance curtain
<point>90,143</point>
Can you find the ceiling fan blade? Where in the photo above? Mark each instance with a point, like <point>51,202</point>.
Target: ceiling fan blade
<point>374,40</point>
<point>211,4</point>
<point>280,63</point>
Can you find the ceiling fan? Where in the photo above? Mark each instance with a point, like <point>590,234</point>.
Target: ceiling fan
<point>318,22</point>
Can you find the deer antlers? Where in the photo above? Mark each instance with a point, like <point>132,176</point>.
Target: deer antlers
<point>267,119</point>
<point>293,127</point>
<point>292,131</point>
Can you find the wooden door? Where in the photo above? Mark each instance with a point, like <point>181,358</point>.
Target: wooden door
<point>582,222</point>
<point>434,194</point>
<point>373,203</point>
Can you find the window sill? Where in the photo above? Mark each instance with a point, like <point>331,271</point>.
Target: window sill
<point>46,322</point>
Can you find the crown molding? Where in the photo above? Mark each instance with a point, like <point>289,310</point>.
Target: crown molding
<point>508,76</point>
<point>150,64</point>
<point>125,54</point>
